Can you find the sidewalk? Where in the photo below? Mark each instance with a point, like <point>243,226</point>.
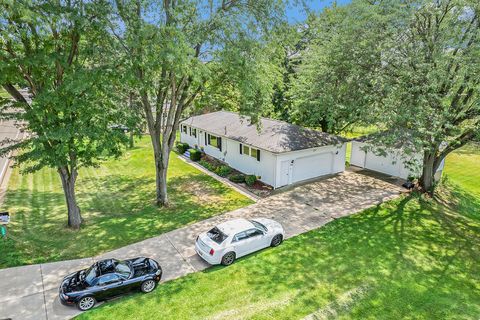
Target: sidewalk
<point>30,292</point>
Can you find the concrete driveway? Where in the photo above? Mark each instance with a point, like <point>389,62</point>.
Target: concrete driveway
<point>30,292</point>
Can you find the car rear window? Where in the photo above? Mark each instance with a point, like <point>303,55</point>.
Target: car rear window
<point>258,225</point>
<point>216,235</point>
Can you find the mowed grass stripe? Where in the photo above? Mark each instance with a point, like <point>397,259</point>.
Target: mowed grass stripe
<point>117,202</point>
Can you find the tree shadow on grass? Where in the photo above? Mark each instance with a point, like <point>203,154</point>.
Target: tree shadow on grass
<point>118,210</point>
<point>400,257</point>
<point>401,249</point>
<point>128,194</point>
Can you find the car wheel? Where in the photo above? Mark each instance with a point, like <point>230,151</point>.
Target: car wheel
<point>276,240</point>
<point>148,286</point>
<point>228,258</point>
<point>86,303</point>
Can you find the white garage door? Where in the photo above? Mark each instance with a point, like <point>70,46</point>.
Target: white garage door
<point>382,164</point>
<point>312,166</point>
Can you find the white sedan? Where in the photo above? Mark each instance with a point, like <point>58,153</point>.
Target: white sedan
<point>236,238</point>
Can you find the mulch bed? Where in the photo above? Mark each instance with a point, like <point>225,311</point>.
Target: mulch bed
<point>258,188</point>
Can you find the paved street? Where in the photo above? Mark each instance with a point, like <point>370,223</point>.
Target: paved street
<point>7,131</point>
<point>30,292</point>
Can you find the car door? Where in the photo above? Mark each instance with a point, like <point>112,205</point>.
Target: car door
<point>257,239</point>
<point>131,284</point>
<point>109,285</point>
<point>247,241</point>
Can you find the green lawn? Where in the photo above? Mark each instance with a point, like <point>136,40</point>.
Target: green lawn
<point>463,168</point>
<point>117,203</point>
<point>3,93</point>
<point>411,258</point>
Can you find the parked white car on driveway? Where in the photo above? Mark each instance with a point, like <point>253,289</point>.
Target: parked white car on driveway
<point>237,238</point>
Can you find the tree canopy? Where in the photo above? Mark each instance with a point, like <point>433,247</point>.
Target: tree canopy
<point>429,79</point>
<point>411,68</point>
<point>179,50</point>
<point>332,87</point>
<point>57,50</point>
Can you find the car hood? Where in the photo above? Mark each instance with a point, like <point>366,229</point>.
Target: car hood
<point>272,226</point>
<point>73,282</point>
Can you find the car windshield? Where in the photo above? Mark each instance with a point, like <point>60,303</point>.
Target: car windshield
<point>216,235</point>
<point>123,269</point>
<point>90,275</point>
<point>258,225</point>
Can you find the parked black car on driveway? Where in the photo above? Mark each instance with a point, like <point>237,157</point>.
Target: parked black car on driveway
<point>109,278</point>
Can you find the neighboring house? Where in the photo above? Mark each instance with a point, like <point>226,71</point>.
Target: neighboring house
<point>393,163</point>
<point>277,152</point>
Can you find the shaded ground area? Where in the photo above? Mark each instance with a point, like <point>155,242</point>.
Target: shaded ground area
<point>413,257</point>
<point>116,200</point>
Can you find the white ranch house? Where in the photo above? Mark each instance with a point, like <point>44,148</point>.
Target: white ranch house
<point>278,153</point>
<point>393,163</point>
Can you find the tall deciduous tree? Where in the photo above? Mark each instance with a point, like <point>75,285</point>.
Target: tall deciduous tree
<point>54,48</point>
<point>332,87</point>
<point>175,47</point>
<point>430,79</point>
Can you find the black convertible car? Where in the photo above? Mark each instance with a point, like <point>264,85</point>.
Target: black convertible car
<point>109,278</point>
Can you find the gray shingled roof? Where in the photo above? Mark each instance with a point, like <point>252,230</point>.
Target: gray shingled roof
<point>275,136</point>
<point>386,138</point>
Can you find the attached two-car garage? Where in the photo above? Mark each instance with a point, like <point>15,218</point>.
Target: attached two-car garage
<point>309,164</point>
<point>312,166</point>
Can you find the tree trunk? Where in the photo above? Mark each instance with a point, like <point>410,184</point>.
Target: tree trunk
<point>132,140</point>
<point>161,167</point>
<point>428,170</point>
<point>68,183</point>
<point>324,125</point>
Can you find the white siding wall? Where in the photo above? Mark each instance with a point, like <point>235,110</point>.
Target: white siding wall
<point>357,157</point>
<point>230,154</point>
<point>265,168</point>
<point>191,140</point>
<point>392,164</point>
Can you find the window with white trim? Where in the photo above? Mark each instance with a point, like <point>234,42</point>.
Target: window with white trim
<point>249,151</point>
<point>254,152</point>
<point>214,141</point>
